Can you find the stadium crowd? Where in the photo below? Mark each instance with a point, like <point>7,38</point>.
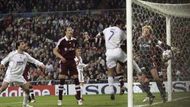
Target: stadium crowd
<point>19,6</point>
<point>44,29</point>
<point>42,32</point>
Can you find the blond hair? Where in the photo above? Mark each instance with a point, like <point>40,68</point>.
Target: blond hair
<point>148,27</point>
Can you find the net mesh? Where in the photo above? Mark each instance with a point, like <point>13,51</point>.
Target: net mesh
<point>154,15</point>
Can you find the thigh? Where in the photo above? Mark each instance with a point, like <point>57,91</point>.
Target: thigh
<point>80,76</point>
<point>72,68</point>
<point>64,69</point>
<point>154,74</point>
<point>25,87</point>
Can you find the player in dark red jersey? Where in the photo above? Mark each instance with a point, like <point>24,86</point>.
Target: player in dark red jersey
<point>65,50</point>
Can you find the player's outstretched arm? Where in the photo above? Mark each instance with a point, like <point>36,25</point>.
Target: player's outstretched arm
<point>35,61</point>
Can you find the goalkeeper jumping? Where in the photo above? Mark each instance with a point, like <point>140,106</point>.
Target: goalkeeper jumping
<point>149,61</point>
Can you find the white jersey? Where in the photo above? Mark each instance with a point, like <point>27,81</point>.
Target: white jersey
<point>17,63</point>
<point>80,68</point>
<point>79,63</point>
<point>114,37</point>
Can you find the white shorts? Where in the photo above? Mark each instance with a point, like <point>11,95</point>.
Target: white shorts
<point>114,55</point>
<point>80,76</point>
<point>15,79</point>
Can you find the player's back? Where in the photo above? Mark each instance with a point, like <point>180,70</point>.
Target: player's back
<point>114,37</point>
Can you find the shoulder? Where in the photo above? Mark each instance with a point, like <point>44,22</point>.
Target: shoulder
<point>73,38</point>
<point>25,53</point>
<point>62,39</point>
<point>13,53</point>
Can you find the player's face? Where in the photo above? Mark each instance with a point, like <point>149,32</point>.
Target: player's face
<point>78,52</point>
<point>69,31</point>
<point>146,32</point>
<point>22,46</point>
<point>26,47</point>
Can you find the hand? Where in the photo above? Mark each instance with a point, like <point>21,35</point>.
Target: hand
<point>63,60</point>
<point>2,66</point>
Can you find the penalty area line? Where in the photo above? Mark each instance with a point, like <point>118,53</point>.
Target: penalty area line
<point>156,103</point>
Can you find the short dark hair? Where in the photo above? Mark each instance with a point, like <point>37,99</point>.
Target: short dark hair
<point>18,43</point>
<point>118,22</point>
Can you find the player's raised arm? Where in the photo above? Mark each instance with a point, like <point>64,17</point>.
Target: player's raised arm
<point>34,61</point>
<point>100,34</point>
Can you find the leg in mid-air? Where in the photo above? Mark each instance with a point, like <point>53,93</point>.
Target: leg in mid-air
<point>120,76</point>
<point>110,74</point>
<point>4,87</point>
<point>159,83</point>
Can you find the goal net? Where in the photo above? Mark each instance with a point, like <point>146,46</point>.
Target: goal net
<point>170,24</point>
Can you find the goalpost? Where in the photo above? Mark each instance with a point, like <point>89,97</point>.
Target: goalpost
<point>171,24</point>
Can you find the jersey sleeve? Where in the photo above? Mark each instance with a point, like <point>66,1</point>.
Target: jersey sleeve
<point>33,60</point>
<point>58,45</point>
<point>161,45</point>
<point>7,58</point>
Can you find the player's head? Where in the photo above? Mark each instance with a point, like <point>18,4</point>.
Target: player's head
<point>119,23</point>
<point>69,31</point>
<point>21,45</point>
<point>78,52</point>
<point>147,30</point>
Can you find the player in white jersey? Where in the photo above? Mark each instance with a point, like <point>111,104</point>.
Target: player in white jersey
<point>115,56</point>
<point>80,68</point>
<point>17,61</point>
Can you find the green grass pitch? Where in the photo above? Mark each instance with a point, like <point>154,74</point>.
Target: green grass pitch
<point>180,100</point>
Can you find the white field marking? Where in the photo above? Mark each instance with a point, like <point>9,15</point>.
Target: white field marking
<point>145,105</point>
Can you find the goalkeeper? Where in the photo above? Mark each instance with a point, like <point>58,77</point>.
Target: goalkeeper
<point>149,63</point>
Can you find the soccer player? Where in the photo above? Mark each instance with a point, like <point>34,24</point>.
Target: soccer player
<point>65,50</point>
<point>115,56</point>
<point>80,67</point>
<point>17,62</point>
<point>148,61</point>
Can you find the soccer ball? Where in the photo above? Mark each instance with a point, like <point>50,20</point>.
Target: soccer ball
<point>166,55</point>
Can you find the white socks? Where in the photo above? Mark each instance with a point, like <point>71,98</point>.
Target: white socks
<point>25,99</point>
<point>110,83</point>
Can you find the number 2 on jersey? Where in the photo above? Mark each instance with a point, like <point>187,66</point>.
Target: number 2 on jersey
<point>112,33</point>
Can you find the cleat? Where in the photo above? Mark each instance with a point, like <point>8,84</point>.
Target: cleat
<point>59,102</point>
<point>112,97</point>
<point>79,102</point>
<point>33,101</point>
<point>145,99</point>
<point>151,99</point>
<point>27,105</point>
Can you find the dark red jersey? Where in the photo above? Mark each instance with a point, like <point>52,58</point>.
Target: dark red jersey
<point>67,47</point>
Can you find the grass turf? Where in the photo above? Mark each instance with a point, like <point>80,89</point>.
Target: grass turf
<point>180,100</point>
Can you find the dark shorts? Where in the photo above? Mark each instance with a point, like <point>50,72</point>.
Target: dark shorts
<point>146,67</point>
<point>68,68</point>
